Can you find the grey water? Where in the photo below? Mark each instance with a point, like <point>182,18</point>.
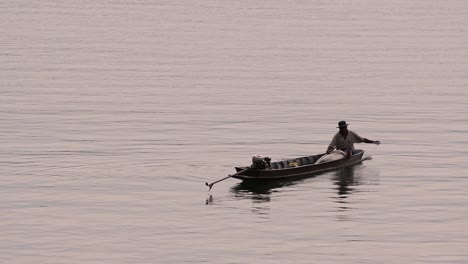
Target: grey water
<point>114,114</point>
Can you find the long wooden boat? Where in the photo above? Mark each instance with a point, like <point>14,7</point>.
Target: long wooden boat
<point>296,167</point>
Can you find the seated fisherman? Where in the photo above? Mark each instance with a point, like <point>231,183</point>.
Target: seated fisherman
<point>344,140</point>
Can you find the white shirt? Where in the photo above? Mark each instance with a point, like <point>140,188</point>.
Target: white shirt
<point>340,142</point>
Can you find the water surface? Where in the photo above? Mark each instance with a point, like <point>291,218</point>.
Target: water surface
<point>114,114</point>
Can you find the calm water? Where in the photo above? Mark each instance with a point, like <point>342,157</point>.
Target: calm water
<point>113,115</point>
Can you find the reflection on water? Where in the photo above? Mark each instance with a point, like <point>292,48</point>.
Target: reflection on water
<point>260,190</point>
<point>344,180</point>
<point>259,200</point>
<point>349,180</point>
<point>260,187</point>
<point>209,200</point>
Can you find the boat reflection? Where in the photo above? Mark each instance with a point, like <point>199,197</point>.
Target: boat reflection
<point>259,193</point>
<point>262,190</point>
<point>262,187</point>
<point>209,200</point>
<point>351,180</point>
<point>345,181</point>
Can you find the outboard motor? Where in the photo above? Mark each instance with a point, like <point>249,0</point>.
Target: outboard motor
<point>260,163</point>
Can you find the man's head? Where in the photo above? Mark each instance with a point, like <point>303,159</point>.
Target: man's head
<point>342,125</point>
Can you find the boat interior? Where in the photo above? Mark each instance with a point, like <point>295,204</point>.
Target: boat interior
<point>297,162</point>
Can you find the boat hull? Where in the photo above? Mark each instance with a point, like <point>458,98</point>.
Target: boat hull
<point>247,173</point>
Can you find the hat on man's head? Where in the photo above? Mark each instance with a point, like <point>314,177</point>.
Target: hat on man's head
<point>342,124</point>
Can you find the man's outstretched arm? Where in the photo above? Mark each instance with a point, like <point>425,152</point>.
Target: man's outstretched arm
<point>365,140</point>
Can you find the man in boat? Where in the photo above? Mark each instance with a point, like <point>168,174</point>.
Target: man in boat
<point>344,140</point>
